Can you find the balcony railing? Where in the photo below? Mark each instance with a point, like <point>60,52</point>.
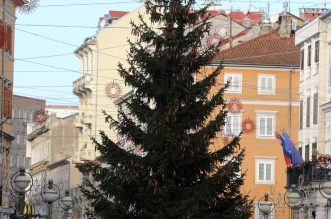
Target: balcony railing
<point>312,171</point>
<point>82,84</point>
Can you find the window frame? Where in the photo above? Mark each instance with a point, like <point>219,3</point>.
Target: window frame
<point>267,115</point>
<point>230,89</point>
<point>265,161</point>
<point>317,47</point>
<point>239,128</point>
<point>267,77</point>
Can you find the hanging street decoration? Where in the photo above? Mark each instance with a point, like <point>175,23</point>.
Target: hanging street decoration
<point>39,117</point>
<point>235,106</point>
<point>227,139</point>
<point>113,90</point>
<point>28,7</point>
<point>248,126</point>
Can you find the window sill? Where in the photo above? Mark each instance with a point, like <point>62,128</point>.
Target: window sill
<point>233,91</point>
<point>265,182</point>
<point>265,137</point>
<point>266,92</point>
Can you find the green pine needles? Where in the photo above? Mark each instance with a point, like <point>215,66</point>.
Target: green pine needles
<point>174,119</point>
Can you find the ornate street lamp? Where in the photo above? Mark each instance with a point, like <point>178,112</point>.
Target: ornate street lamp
<point>50,193</point>
<point>266,205</point>
<point>66,202</point>
<point>21,182</point>
<point>293,198</point>
<point>325,190</point>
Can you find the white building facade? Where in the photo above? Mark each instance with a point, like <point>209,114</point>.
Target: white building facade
<point>313,87</point>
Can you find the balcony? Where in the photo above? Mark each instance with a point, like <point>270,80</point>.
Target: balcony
<point>82,85</point>
<point>309,172</point>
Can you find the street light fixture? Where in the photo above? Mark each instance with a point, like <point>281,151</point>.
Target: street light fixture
<point>266,205</point>
<point>66,202</point>
<point>50,193</point>
<point>325,189</point>
<point>21,181</point>
<point>293,198</point>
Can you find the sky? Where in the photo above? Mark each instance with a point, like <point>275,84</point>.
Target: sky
<point>45,40</point>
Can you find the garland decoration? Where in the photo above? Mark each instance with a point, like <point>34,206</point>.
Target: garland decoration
<point>27,8</point>
<point>39,117</point>
<point>248,126</point>
<point>235,106</point>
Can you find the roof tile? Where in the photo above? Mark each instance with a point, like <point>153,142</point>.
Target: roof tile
<point>267,49</point>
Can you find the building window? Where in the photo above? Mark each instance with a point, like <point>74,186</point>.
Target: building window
<point>300,148</point>
<point>308,113</point>
<point>265,170</point>
<point>328,148</point>
<point>302,62</point>
<point>314,147</point>
<point>301,114</point>
<point>309,56</point>
<point>307,150</point>
<point>266,125</point>
<point>315,113</point>
<point>266,84</point>
<point>235,82</point>
<point>317,48</point>
<point>233,124</point>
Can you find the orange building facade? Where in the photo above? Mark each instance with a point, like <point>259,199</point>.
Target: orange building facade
<point>263,97</point>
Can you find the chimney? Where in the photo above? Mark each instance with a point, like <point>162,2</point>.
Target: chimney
<point>266,27</point>
<point>285,25</point>
<point>285,22</point>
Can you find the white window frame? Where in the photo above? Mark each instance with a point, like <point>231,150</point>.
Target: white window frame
<point>239,128</point>
<point>265,161</point>
<point>267,90</point>
<point>231,88</point>
<point>266,115</point>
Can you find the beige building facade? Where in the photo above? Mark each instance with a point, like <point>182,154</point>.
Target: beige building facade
<point>54,154</point>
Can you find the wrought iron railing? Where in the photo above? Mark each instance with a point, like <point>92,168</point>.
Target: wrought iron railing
<point>312,171</point>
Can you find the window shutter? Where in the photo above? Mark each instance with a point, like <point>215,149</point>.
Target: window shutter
<point>317,47</point>
<point>301,113</point>
<point>308,113</point>
<point>309,56</point>
<point>302,63</point>
<point>235,123</point>
<point>307,152</point>
<point>263,83</point>
<point>262,126</point>
<point>315,108</point>
<point>261,171</point>
<point>228,125</point>
<point>269,126</point>
<point>270,82</point>
<point>268,172</point>
<point>235,82</point>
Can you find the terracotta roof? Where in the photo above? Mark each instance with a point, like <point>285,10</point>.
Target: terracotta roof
<point>254,16</point>
<point>117,14</point>
<point>267,49</point>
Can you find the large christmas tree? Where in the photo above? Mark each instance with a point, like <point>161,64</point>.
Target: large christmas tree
<point>174,119</point>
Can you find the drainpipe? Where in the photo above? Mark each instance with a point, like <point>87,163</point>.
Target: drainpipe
<point>290,102</point>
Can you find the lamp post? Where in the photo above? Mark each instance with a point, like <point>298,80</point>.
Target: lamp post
<point>325,190</point>
<point>50,193</point>
<point>66,202</point>
<point>293,198</point>
<point>266,205</point>
<point>21,182</point>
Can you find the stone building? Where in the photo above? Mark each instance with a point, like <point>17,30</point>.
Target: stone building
<point>54,154</point>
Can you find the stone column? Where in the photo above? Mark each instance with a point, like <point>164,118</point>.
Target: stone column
<point>321,212</point>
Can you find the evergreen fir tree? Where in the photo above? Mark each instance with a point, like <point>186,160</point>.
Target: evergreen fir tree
<point>175,120</point>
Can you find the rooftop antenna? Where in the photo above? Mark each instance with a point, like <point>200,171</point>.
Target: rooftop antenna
<point>285,5</point>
